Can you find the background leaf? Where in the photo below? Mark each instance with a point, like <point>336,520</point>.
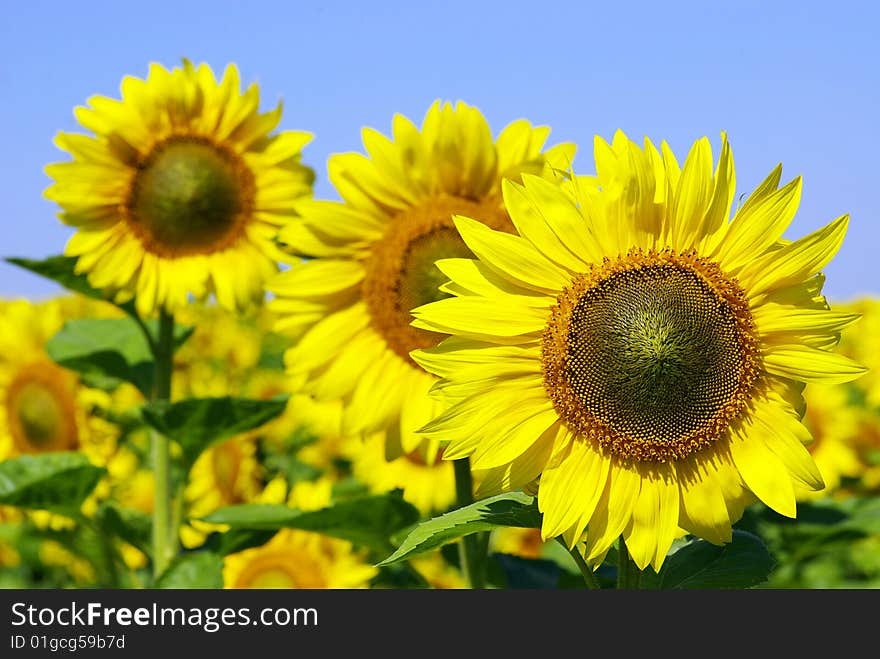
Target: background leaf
<point>511,509</point>
<point>109,351</point>
<point>53,481</point>
<point>60,269</point>
<point>197,423</point>
<point>201,569</point>
<point>369,521</point>
<point>132,526</point>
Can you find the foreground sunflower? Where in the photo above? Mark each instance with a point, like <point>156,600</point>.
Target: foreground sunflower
<point>371,259</point>
<point>635,350</point>
<point>180,190</point>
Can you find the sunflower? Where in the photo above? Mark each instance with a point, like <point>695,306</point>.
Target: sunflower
<point>370,258</point>
<point>637,351</point>
<point>43,407</point>
<point>300,559</point>
<point>180,190</point>
<point>861,345</point>
<point>225,474</point>
<point>526,543</point>
<point>439,574</point>
<point>833,422</point>
<point>427,481</point>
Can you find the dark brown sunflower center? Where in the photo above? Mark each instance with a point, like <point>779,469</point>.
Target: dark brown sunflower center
<point>652,356</point>
<point>401,274</point>
<point>189,196</point>
<point>40,410</point>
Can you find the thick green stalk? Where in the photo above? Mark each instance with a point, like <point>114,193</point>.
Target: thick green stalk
<point>472,549</point>
<point>627,572</point>
<point>590,580</point>
<point>164,536</point>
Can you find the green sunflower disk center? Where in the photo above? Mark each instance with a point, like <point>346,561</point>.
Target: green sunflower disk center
<point>420,279</point>
<point>401,273</point>
<point>188,196</point>
<point>654,353</point>
<point>39,413</point>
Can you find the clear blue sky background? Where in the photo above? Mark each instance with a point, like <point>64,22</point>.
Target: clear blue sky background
<point>790,82</point>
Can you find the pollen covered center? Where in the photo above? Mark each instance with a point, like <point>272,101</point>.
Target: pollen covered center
<point>40,410</point>
<point>653,355</point>
<point>189,196</point>
<point>401,274</point>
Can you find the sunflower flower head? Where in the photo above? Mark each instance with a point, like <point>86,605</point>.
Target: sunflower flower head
<point>636,350</point>
<point>45,408</point>
<point>179,190</point>
<point>369,258</point>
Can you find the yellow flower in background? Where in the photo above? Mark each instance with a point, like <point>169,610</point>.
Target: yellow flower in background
<point>439,574</point>
<point>225,474</point>
<point>833,422</point>
<point>300,559</point>
<point>370,258</point>
<point>180,189</point>
<point>526,543</point>
<point>867,446</point>
<point>224,357</point>
<point>43,407</point>
<point>297,559</point>
<point>861,343</point>
<point>427,481</point>
<point>221,355</point>
<point>54,554</point>
<point>637,351</point>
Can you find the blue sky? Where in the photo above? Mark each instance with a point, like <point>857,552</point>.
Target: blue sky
<point>790,82</point>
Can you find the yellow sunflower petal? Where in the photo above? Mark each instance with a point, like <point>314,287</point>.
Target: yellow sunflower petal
<point>511,257</point>
<point>570,490</point>
<point>763,472</point>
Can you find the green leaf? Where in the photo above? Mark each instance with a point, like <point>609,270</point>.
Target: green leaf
<point>532,573</point>
<point>197,423</point>
<point>108,351</point>
<point>60,269</point>
<point>293,469</point>
<point>132,526</point>
<point>53,481</point>
<point>511,509</point>
<point>237,540</point>
<point>272,351</point>
<point>202,569</point>
<point>742,563</point>
<point>368,521</point>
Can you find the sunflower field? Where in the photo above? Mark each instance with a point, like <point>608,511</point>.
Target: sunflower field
<point>483,366</point>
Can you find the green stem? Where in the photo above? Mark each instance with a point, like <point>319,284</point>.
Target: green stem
<point>627,572</point>
<point>471,548</point>
<point>589,578</point>
<point>151,342</point>
<point>164,537</point>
